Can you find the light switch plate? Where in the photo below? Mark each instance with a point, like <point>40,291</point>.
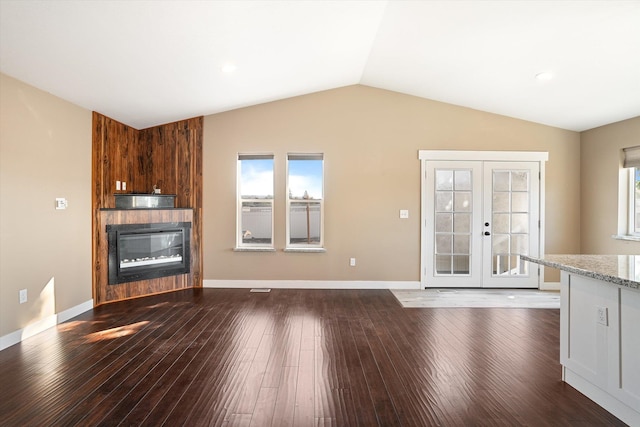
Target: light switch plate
<point>61,203</point>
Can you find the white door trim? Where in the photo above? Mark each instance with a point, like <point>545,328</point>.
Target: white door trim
<point>496,156</point>
<point>491,156</point>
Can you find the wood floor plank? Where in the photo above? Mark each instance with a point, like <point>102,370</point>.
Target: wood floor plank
<point>265,407</point>
<point>304,414</point>
<point>226,357</point>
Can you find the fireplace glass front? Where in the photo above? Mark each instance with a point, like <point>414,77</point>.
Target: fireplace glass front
<point>148,251</point>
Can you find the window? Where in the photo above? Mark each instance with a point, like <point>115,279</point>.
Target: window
<point>305,201</point>
<point>634,202</point>
<point>629,196</point>
<point>255,202</point>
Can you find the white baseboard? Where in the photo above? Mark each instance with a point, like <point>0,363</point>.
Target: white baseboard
<point>43,324</point>
<point>310,284</point>
<point>550,286</point>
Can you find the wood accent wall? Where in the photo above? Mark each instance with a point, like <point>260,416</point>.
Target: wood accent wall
<point>168,156</point>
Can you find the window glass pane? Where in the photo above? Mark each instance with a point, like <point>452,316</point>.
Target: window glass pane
<point>304,222</point>
<point>305,178</point>
<point>305,198</point>
<point>255,188</point>
<point>636,212</point>
<point>256,222</point>
<point>256,177</point>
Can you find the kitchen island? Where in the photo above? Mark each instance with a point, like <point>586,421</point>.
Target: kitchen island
<point>600,328</point>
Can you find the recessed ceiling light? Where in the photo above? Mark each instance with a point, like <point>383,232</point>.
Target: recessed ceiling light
<point>229,67</point>
<point>544,76</point>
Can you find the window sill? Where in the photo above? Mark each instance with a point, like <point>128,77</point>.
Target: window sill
<point>247,249</point>
<point>626,237</point>
<point>308,250</point>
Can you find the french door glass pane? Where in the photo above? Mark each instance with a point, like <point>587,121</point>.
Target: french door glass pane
<point>520,202</point>
<point>444,180</point>
<point>462,180</point>
<point>462,223</point>
<point>443,222</point>
<point>461,264</point>
<point>443,264</point>
<point>453,211</point>
<point>510,215</point>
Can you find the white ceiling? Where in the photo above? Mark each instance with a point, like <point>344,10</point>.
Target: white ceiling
<point>151,62</point>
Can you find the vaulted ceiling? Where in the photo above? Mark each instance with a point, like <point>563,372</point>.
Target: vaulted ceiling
<point>150,62</point>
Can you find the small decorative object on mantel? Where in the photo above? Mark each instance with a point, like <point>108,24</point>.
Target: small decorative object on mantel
<point>156,190</point>
<point>145,201</point>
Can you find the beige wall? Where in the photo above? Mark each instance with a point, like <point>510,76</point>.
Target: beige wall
<point>370,139</point>
<point>601,165</point>
<point>45,152</point>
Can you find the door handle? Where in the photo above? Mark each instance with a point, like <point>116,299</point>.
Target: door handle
<point>486,233</point>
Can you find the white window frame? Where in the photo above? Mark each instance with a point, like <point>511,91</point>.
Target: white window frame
<point>631,202</point>
<point>240,245</point>
<point>304,247</point>
<point>626,208</point>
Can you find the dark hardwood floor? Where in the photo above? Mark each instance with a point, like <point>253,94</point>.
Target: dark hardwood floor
<point>226,357</point>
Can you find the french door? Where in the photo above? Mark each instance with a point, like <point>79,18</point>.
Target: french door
<point>479,217</point>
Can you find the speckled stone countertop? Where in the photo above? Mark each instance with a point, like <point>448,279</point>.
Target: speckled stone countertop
<point>623,270</point>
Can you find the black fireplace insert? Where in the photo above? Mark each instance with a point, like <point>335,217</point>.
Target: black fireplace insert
<point>148,251</point>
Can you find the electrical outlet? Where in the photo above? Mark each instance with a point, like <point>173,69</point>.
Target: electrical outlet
<point>23,296</point>
<point>117,185</point>
<point>124,186</point>
<point>352,262</point>
<point>404,213</point>
<point>602,316</point>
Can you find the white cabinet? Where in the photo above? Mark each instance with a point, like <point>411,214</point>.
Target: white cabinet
<point>600,343</point>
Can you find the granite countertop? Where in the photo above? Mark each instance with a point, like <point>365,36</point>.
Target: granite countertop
<point>623,270</point>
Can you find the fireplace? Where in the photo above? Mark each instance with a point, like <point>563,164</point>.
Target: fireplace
<point>148,251</point>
